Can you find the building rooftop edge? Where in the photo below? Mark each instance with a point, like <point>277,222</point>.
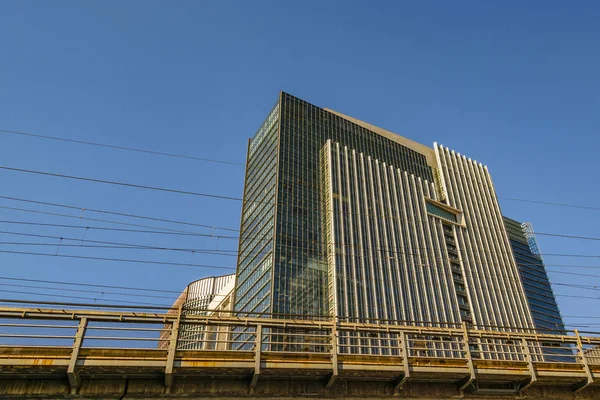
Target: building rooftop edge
<point>427,151</point>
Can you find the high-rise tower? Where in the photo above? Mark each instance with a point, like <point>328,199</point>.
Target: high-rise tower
<point>343,218</point>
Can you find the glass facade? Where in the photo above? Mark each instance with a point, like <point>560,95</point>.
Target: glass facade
<point>255,259</point>
<point>282,266</point>
<point>341,218</point>
<point>542,302</point>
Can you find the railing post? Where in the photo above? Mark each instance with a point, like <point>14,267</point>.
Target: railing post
<point>334,354</point>
<point>406,369</point>
<point>471,378</point>
<point>529,359</point>
<point>257,355</point>
<point>74,379</point>
<point>590,378</point>
<point>171,352</point>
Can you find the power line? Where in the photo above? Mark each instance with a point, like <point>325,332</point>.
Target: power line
<point>117,259</point>
<point>191,193</point>
<point>192,250</point>
<point>207,251</point>
<point>107,221</point>
<point>89,246</point>
<point>494,278</point>
<point>573,273</point>
<point>68,304</point>
<point>133,185</point>
<point>101,228</point>
<point>549,203</point>
<point>87,291</point>
<point>89,285</point>
<point>206,235</point>
<point>110,146</point>
<point>29,134</point>
<point>82,209</point>
<point>202,194</point>
<point>235,237</point>
<point>79,297</point>
<point>124,245</point>
<point>194,234</point>
<point>578,297</point>
<point>567,236</point>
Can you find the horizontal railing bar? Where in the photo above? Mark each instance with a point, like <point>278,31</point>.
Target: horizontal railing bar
<point>300,344</point>
<point>294,352</point>
<point>156,349</point>
<point>38,326</point>
<point>437,357</point>
<point>32,336</point>
<point>30,346</point>
<point>123,338</point>
<point>119,328</point>
<point>328,336</point>
<point>213,341</point>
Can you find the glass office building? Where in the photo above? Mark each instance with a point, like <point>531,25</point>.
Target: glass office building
<point>342,218</point>
<point>546,315</point>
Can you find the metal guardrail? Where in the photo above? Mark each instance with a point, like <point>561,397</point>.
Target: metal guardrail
<point>76,341</point>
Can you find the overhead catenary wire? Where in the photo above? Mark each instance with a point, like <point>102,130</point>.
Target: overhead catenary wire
<point>549,203</point>
<point>232,237</point>
<point>201,225</point>
<point>219,236</point>
<point>116,147</point>
<point>196,194</point>
<point>210,251</point>
<point>133,185</point>
<point>195,234</point>
<point>116,247</point>
<point>80,297</point>
<point>95,210</point>
<point>89,143</point>
<point>125,260</point>
<point>103,228</point>
<point>102,292</point>
<point>185,192</point>
<point>89,285</point>
<point>107,221</point>
<point>135,246</point>
<point>578,237</point>
<point>123,244</point>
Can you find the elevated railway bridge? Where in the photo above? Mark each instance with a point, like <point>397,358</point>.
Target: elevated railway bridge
<point>87,353</point>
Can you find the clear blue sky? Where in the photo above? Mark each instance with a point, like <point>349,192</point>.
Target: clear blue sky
<point>514,85</point>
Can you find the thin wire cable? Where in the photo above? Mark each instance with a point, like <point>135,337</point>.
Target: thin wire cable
<point>137,246</point>
<point>79,297</point>
<point>230,229</point>
<point>102,228</point>
<point>211,226</point>
<point>234,238</point>
<point>549,203</point>
<point>171,221</point>
<point>107,221</point>
<point>114,247</point>
<point>110,146</point>
<point>125,245</point>
<point>118,260</point>
<point>89,291</point>
<point>8,278</point>
<point>29,134</point>
<point>117,183</point>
